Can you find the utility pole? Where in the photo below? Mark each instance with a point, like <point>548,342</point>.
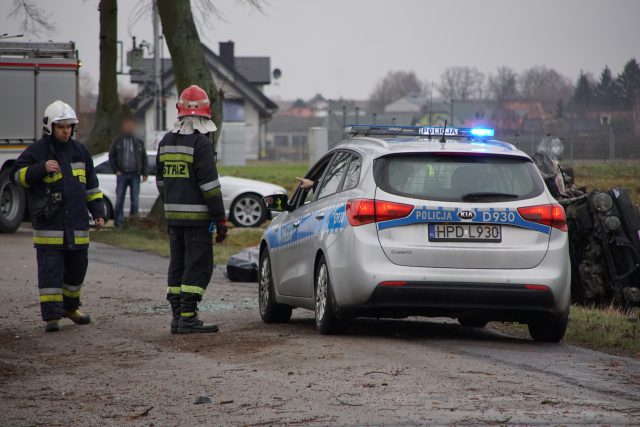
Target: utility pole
<point>452,120</point>
<point>532,143</point>
<point>157,76</point>
<point>431,105</point>
<point>612,152</point>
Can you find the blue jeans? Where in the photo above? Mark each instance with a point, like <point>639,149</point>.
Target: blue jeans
<point>131,180</point>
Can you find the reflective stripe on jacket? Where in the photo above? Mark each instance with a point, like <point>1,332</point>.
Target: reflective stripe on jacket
<point>187,180</point>
<point>76,183</point>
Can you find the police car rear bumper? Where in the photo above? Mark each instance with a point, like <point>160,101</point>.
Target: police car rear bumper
<point>356,283</point>
<point>495,301</point>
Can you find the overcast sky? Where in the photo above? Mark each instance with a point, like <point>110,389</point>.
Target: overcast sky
<point>343,47</point>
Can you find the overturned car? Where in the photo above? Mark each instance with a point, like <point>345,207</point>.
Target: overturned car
<point>604,237</point>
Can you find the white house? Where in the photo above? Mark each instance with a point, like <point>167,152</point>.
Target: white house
<point>246,110</point>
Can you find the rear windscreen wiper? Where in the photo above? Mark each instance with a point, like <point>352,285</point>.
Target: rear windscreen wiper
<point>488,195</point>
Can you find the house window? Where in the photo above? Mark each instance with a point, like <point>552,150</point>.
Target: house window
<point>298,141</point>
<point>281,141</point>
<point>233,110</point>
<point>299,146</point>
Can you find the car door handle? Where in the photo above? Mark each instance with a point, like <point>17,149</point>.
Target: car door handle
<point>320,215</point>
<point>297,223</point>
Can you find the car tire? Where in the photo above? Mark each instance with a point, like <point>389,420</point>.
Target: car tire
<point>270,310</point>
<point>108,210</point>
<point>327,321</point>
<point>550,328</point>
<point>248,210</point>
<point>12,204</point>
<point>472,322</point>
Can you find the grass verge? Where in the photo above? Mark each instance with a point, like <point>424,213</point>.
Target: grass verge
<point>283,174</point>
<point>592,174</point>
<point>605,175</point>
<point>604,329</point>
<point>139,236</point>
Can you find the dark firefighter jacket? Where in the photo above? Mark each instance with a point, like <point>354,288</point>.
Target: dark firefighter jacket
<point>76,186</point>
<point>187,180</point>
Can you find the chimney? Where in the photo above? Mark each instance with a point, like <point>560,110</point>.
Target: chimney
<point>226,53</point>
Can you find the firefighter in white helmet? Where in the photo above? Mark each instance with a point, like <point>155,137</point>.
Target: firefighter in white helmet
<point>60,182</point>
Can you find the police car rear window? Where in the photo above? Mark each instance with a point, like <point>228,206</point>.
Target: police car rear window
<point>451,177</point>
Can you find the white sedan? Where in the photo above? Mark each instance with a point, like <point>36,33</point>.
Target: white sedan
<point>242,197</point>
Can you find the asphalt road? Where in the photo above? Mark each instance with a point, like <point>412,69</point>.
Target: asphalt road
<point>127,369</point>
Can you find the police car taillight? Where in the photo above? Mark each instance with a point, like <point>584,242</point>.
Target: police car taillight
<point>551,215</point>
<point>366,211</point>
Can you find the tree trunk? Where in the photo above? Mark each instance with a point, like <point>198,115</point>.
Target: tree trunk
<point>187,55</point>
<point>188,62</point>
<point>109,109</point>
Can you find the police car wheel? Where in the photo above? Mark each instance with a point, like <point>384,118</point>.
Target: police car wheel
<point>327,321</point>
<point>270,311</point>
<point>12,204</point>
<point>549,328</point>
<point>247,210</point>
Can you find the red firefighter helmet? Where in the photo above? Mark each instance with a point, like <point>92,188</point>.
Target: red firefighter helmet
<point>194,102</point>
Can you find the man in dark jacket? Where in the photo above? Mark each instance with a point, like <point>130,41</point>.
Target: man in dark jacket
<point>188,183</point>
<point>61,184</point>
<point>128,159</point>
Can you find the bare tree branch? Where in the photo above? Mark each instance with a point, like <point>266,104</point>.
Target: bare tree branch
<point>141,9</point>
<point>256,4</point>
<point>393,86</point>
<point>34,18</point>
<point>545,84</point>
<point>503,85</point>
<point>207,8</point>
<point>461,83</point>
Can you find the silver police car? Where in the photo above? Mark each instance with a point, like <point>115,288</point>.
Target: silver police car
<point>419,221</point>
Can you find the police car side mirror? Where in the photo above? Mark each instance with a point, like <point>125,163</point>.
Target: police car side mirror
<point>277,202</point>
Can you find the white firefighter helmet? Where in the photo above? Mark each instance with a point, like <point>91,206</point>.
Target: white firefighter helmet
<point>58,112</point>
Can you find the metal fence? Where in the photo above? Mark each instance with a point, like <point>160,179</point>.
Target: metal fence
<point>601,143</point>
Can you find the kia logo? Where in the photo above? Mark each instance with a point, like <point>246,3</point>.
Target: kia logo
<point>466,214</point>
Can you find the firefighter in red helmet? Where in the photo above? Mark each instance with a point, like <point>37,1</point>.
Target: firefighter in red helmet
<point>188,183</point>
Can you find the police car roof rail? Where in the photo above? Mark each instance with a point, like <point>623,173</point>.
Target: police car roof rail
<point>422,131</point>
<point>366,138</point>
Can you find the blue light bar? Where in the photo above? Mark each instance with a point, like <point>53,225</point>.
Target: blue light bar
<point>423,131</point>
<point>480,132</point>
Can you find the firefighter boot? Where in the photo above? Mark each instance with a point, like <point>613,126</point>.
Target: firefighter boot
<point>175,311</point>
<point>191,324</point>
<point>52,325</point>
<point>78,317</point>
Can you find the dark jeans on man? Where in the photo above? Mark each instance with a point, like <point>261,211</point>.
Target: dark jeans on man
<point>131,180</point>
